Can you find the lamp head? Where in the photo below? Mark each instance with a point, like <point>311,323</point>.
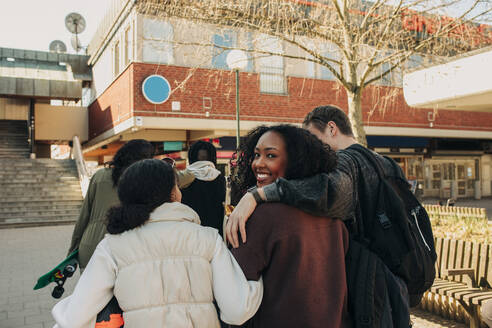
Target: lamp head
<point>237,59</point>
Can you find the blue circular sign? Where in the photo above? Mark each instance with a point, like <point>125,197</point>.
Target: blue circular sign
<point>156,89</point>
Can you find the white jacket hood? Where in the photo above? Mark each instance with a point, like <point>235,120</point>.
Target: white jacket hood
<point>204,170</point>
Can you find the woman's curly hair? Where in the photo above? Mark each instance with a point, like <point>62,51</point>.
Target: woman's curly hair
<point>131,152</point>
<point>144,186</point>
<point>306,156</point>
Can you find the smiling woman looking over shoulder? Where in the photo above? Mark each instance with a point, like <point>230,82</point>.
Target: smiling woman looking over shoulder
<point>300,257</point>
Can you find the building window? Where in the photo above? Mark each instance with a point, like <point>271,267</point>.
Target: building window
<point>387,79</point>
<point>158,41</point>
<point>128,45</point>
<point>116,53</point>
<point>310,72</point>
<point>271,67</point>
<point>249,46</point>
<point>325,73</point>
<point>134,47</point>
<point>219,56</point>
<point>415,61</point>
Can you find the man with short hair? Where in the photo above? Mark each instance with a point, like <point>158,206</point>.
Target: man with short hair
<point>358,182</point>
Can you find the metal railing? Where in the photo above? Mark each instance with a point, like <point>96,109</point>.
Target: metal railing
<point>78,156</point>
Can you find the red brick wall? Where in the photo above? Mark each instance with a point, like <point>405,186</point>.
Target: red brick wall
<point>382,106</point>
<point>113,106</point>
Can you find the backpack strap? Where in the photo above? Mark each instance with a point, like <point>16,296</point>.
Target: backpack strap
<point>369,155</point>
<point>357,226</point>
<point>380,209</point>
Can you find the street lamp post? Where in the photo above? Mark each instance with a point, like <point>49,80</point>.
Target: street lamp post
<point>237,60</point>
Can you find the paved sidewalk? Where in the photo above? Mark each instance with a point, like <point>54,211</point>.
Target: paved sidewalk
<point>27,253</point>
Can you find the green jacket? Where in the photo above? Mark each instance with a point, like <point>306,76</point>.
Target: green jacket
<point>91,225</point>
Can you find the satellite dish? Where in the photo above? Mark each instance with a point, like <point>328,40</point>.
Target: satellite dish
<point>75,23</point>
<point>58,46</point>
<point>75,42</point>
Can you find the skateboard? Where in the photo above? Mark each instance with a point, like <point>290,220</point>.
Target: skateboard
<point>109,317</point>
<point>59,275</point>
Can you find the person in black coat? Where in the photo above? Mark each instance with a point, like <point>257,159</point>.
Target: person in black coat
<point>206,195</point>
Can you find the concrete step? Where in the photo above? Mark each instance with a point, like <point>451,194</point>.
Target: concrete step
<point>41,203</point>
<point>44,161</point>
<point>48,186</point>
<point>57,184</point>
<point>63,171</point>
<point>29,224</point>
<point>68,170</point>
<point>27,198</point>
<point>12,180</point>
<point>11,165</point>
<point>53,213</point>
<point>6,135</point>
<point>37,192</point>
<point>14,133</point>
<point>20,207</point>
<point>13,144</point>
<point>37,169</point>
<point>36,179</point>
<point>8,141</point>
<point>37,220</point>
<point>16,155</point>
<point>41,193</point>
<point>13,151</point>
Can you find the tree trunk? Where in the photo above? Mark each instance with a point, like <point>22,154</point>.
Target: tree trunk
<point>355,115</point>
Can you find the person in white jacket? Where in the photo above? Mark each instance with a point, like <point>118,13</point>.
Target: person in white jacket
<point>164,269</point>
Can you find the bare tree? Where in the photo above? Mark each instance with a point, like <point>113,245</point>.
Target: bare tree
<point>368,40</point>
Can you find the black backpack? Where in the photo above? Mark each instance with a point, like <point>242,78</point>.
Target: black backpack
<point>401,233</point>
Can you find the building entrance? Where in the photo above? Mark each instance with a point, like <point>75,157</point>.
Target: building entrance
<point>450,178</point>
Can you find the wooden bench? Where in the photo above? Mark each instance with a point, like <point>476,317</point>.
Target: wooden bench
<point>464,277</point>
<point>455,211</point>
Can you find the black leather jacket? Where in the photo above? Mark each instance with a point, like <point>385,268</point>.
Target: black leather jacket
<point>332,195</point>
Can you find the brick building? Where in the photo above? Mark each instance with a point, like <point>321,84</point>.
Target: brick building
<point>446,151</point>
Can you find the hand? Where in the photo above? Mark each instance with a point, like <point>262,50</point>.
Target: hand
<point>237,219</point>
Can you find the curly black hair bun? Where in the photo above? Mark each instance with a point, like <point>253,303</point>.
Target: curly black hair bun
<point>127,217</point>
<point>144,186</point>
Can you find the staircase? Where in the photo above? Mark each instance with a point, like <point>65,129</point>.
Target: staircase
<point>38,192</point>
<point>13,139</point>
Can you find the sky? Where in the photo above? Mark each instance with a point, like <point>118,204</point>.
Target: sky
<point>33,24</point>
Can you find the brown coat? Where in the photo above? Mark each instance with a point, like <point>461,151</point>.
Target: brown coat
<point>302,261</point>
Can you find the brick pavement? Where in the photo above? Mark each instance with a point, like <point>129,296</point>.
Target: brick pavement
<point>27,253</point>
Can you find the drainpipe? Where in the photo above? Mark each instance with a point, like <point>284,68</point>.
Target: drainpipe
<point>31,128</point>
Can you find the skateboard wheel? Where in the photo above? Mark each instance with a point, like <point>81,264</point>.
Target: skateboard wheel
<point>58,292</point>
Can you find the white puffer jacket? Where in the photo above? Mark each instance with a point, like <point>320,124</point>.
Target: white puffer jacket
<point>164,274</point>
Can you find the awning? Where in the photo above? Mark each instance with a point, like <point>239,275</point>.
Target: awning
<point>462,84</point>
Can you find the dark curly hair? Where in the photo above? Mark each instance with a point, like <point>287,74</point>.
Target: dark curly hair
<point>144,186</point>
<point>207,146</point>
<point>132,151</point>
<point>306,156</point>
